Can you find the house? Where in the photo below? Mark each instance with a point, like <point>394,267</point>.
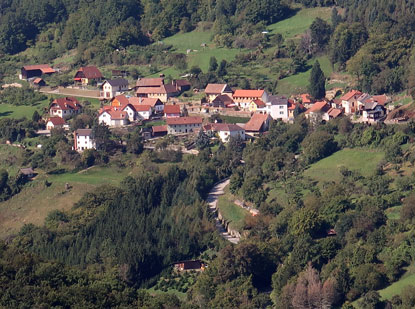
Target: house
<point>277,107</point>
<point>113,87</point>
<point>28,172</point>
<point>257,106</point>
<point>142,112</point>
<point>130,110</point>
<point>181,85</point>
<point>257,124</point>
<point>83,139</point>
<point>156,105</point>
<point>333,113</point>
<point>37,70</point>
<point>113,117</point>
<point>163,92</point>
<point>214,90</point>
<point>54,123</point>
<point>65,107</point>
<point>366,98</point>
<point>120,101</point>
<point>158,131</point>
<point>373,112</point>
<point>171,111</point>
<point>150,82</point>
<point>183,124</point>
<point>39,82</point>
<point>225,131</point>
<point>222,100</point>
<point>243,98</point>
<point>88,75</point>
<point>292,106</point>
<point>349,101</point>
<point>318,112</point>
<point>196,265</point>
<point>306,100</point>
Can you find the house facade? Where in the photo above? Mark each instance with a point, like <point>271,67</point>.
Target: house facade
<point>243,98</point>
<point>114,87</point>
<point>83,140</point>
<point>113,118</point>
<point>349,101</point>
<point>225,131</point>
<point>183,124</point>
<point>163,93</point>
<point>65,107</point>
<point>318,112</point>
<point>277,107</point>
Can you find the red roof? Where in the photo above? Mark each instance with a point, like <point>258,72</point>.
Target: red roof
<point>350,94</point>
<point>159,129</point>
<point>172,109</point>
<point>37,80</point>
<point>115,114</point>
<point>241,93</point>
<point>305,98</point>
<point>144,101</point>
<point>321,106</point>
<point>184,120</point>
<point>90,72</point>
<point>259,103</point>
<point>150,82</point>
<point>122,99</point>
<point>68,103</point>
<point>215,88</point>
<point>45,68</point>
<point>334,112</point>
<point>142,108</point>
<point>57,121</point>
<point>255,123</point>
<point>381,99</point>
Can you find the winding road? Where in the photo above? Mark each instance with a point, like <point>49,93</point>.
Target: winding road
<point>212,199</point>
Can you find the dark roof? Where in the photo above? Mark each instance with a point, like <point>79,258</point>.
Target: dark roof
<point>84,132</point>
<point>223,98</point>
<point>275,100</point>
<point>117,82</point>
<point>181,82</point>
<point>91,72</point>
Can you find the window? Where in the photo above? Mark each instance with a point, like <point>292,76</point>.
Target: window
<point>281,107</point>
<point>281,113</point>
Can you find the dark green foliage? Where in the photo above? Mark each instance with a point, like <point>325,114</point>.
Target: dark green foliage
<point>320,33</point>
<point>135,142</point>
<point>20,96</point>
<point>317,86</point>
<point>318,145</point>
<point>213,64</point>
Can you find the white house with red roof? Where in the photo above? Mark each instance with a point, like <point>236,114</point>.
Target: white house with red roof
<point>318,112</point>
<point>244,97</point>
<point>113,117</point>
<point>83,140</point>
<point>138,111</point>
<point>225,131</point>
<point>349,101</point>
<point>54,123</point>
<point>172,111</point>
<point>65,107</point>
<point>184,124</point>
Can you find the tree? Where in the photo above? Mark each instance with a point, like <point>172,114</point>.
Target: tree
<point>335,18</point>
<point>36,117</point>
<point>320,33</point>
<point>202,140</point>
<point>102,135</point>
<point>135,142</point>
<point>317,86</point>
<point>318,145</point>
<point>213,64</point>
<point>222,68</point>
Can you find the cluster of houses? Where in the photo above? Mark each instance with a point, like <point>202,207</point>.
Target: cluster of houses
<point>150,98</point>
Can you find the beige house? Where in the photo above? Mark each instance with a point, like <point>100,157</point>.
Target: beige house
<point>243,98</point>
<point>163,92</point>
<point>183,124</point>
<point>214,90</point>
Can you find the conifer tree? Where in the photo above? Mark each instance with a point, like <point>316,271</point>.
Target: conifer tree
<point>317,86</point>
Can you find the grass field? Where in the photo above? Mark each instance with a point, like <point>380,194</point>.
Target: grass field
<point>231,212</point>
<point>232,119</point>
<point>393,213</point>
<point>361,159</point>
<point>300,22</point>
<point>298,83</point>
<point>34,203</point>
<point>13,111</point>
<point>396,288</point>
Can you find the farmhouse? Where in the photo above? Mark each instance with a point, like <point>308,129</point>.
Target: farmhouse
<point>150,82</point>
<point>39,82</point>
<point>318,112</point>
<point>163,92</point>
<point>373,112</point>
<point>244,97</point>
<point>113,117</point>
<point>183,124</point>
<point>37,70</point>
<point>349,101</point>
<point>181,85</point>
<point>214,90</point>
<point>222,100</point>
<point>139,111</point>
<point>306,100</point>
<point>65,107</point>
<point>54,123</point>
<point>257,124</point>
<point>156,105</point>
<point>225,131</point>
<point>171,111</point>
<point>87,75</point>
<point>83,139</point>
<point>113,87</point>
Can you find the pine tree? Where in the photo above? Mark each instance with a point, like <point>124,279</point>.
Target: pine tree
<point>213,64</point>
<point>317,86</point>
<point>36,117</point>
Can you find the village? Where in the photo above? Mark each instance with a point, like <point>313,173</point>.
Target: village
<point>149,99</point>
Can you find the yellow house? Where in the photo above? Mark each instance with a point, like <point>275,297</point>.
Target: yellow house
<point>256,105</point>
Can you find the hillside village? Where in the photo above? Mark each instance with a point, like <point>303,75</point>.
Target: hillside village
<point>152,99</point>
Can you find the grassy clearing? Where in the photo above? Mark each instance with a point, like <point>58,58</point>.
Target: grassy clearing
<point>393,213</point>
<point>13,111</point>
<point>361,159</point>
<point>34,203</point>
<point>232,119</point>
<point>190,40</point>
<point>396,288</point>
<point>300,22</point>
<point>231,212</point>
<point>298,83</point>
